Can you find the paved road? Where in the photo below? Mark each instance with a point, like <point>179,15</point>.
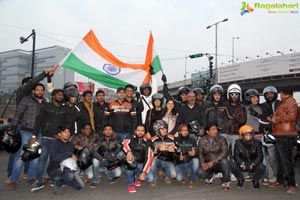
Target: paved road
<point>118,190</point>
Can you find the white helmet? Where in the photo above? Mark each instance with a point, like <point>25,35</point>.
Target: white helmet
<point>234,88</point>
<point>69,163</point>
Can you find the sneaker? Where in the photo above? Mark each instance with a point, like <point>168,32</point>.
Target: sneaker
<point>93,185</point>
<point>137,183</point>
<point>276,185</point>
<point>265,181</point>
<point>272,180</point>
<point>183,181</point>
<point>153,184</point>
<point>218,175</point>
<point>85,179</point>
<point>112,181</point>
<point>25,176</point>
<point>248,178</point>
<point>225,186</point>
<point>57,191</point>
<point>36,186</point>
<point>209,181</point>
<point>256,184</point>
<point>168,180</point>
<point>240,183</point>
<point>291,190</point>
<point>12,185</point>
<point>131,189</point>
<point>191,184</point>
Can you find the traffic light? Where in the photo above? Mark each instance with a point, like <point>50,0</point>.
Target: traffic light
<point>197,55</point>
<point>211,71</point>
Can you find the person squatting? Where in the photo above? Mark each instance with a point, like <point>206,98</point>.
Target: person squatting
<point>71,142</point>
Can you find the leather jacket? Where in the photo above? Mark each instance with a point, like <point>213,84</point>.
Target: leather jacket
<point>248,154</point>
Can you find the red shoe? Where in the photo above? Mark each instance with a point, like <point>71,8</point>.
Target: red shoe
<point>137,183</point>
<point>131,189</point>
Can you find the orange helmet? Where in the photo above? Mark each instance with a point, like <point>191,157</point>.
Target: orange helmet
<point>246,129</point>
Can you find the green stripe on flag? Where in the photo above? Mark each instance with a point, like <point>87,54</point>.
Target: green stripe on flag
<point>75,64</point>
<point>156,64</point>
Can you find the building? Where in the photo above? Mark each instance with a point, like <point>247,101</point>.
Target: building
<point>16,64</point>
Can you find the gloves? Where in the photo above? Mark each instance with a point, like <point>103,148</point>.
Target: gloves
<point>138,95</point>
<point>164,78</point>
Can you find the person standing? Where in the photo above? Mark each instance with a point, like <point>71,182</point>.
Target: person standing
<point>25,117</point>
<point>284,129</point>
<point>99,108</point>
<point>86,109</point>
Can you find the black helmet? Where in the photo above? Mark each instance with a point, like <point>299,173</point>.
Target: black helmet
<point>84,158</point>
<point>70,91</point>
<point>11,140</point>
<point>131,165</point>
<point>182,90</point>
<point>159,97</point>
<point>144,86</point>
<point>159,124</point>
<point>251,93</point>
<point>270,89</point>
<point>31,151</point>
<point>194,127</point>
<point>198,91</point>
<point>70,84</point>
<point>216,89</point>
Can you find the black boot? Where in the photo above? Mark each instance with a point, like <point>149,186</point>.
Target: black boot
<point>256,184</point>
<point>240,183</point>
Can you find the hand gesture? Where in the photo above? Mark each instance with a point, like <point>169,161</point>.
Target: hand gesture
<point>192,152</point>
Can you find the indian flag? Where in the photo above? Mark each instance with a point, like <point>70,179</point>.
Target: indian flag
<point>152,58</point>
<point>91,59</point>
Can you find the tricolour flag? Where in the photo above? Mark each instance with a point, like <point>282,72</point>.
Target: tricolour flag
<point>152,57</point>
<point>92,60</point>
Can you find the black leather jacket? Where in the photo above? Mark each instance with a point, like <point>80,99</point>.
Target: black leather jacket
<point>184,145</point>
<point>163,155</point>
<point>248,154</point>
<point>107,148</point>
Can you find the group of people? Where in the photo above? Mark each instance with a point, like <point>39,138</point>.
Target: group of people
<point>146,135</point>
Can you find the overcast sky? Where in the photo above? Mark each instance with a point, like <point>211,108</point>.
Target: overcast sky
<point>178,27</point>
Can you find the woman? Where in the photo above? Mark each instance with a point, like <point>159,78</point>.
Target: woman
<point>170,116</point>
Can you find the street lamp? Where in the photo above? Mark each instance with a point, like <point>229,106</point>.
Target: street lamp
<point>293,50</point>
<point>280,52</point>
<point>248,58</point>
<point>233,48</point>
<point>22,40</point>
<point>216,38</point>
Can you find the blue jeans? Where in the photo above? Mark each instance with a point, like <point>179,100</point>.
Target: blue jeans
<point>183,169</point>
<point>110,173</point>
<point>66,177</point>
<point>167,166</point>
<point>122,136</point>
<point>132,175</point>
<point>43,159</point>
<point>18,163</point>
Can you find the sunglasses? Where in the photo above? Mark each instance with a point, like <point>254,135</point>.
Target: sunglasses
<point>234,94</point>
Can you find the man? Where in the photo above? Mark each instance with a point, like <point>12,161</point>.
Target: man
<point>28,83</point>
<point>61,152</point>
<point>86,109</point>
<point>200,94</point>
<point>213,152</point>
<point>138,150</point>
<point>238,112</point>
<point>248,157</point>
<point>187,156</point>
<point>121,115</point>
<point>99,108</point>
<point>129,90</point>
<point>217,111</point>
<point>25,117</point>
<point>192,112</point>
<point>51,116</point>
<point>164,151</point>
<point>85,140</point>
<point>284,129</point>
<point>107,152</point>
<point>73,111</point>
<point>268,109</point>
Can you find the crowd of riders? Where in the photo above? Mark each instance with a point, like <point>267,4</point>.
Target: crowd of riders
<point>150,137</point>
